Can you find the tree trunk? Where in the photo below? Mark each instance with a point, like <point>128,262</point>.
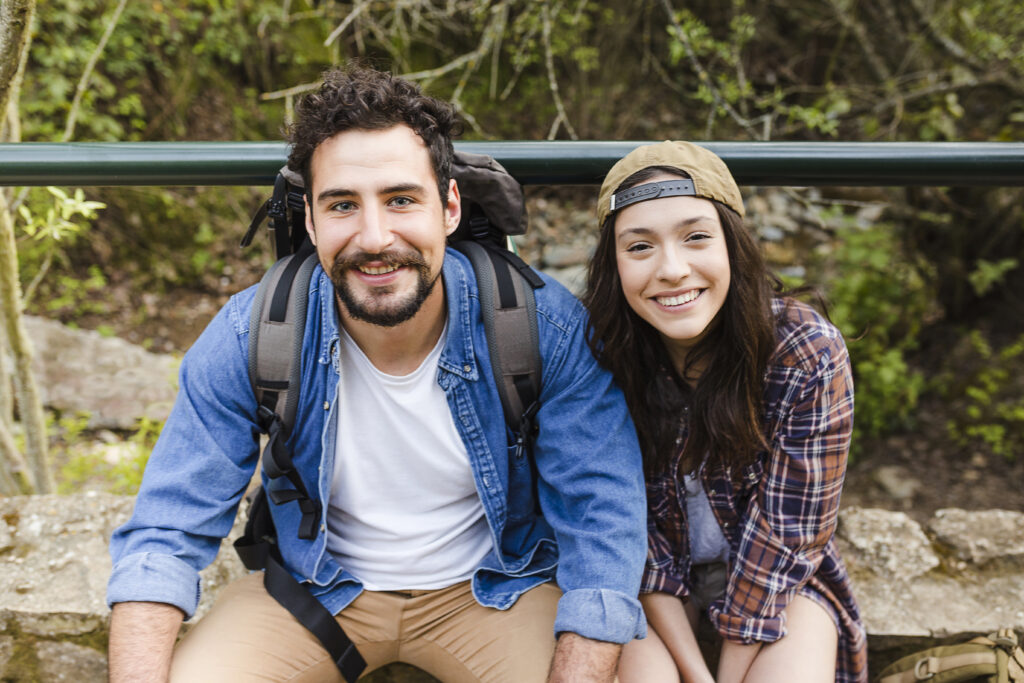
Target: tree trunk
<point>15,33</point>
<point>30,407</point>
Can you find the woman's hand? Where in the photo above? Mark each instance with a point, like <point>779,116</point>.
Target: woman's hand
<point>667,616</point>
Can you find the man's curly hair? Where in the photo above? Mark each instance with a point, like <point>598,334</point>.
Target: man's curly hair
<point>359,98</point>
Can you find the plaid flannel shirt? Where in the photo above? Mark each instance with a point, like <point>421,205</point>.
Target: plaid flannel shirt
<point>781,516</point>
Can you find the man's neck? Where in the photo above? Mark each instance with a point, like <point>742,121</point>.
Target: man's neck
<point>400,349</point>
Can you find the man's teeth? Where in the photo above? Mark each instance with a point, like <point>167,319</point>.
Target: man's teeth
<point>380,270</point>
<point>679,300</point>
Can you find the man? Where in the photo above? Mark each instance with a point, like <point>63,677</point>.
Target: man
<point>430,549</point>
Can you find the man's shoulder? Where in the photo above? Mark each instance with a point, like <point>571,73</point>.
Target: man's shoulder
<point>555,304</point>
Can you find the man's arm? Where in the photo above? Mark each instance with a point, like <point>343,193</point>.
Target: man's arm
<point>142,636</point>
<point>583,660</point>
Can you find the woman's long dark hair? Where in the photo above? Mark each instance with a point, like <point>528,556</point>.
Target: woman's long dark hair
<point>725,404</point>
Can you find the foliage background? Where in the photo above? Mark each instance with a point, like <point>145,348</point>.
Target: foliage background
<point>929,295</point>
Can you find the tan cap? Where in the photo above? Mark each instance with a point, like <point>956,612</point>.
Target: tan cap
<point>711,177</point>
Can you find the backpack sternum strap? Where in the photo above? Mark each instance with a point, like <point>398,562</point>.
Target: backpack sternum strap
<point>278,466</point>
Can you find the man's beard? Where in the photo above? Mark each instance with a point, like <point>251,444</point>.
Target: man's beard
<point>385,310</point>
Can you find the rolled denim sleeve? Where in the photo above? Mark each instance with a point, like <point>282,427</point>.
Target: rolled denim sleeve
<point>591,492</point>
<point>197,473</point>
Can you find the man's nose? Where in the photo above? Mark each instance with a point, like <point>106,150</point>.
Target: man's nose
<point>374,234</point>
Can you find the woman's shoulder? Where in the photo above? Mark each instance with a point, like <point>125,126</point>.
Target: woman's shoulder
<point>804,335</point>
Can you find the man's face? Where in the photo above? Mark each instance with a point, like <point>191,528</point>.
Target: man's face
<point>378,223</point>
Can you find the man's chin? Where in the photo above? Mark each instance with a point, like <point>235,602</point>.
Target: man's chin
<point>383,310</point>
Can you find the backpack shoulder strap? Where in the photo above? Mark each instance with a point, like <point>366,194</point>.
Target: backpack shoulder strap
<point>276,327</point>
<point>509,311</point>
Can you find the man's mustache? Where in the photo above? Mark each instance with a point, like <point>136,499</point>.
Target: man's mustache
<point>397,258</point>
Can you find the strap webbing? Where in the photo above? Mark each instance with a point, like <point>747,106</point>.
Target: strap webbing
<point>294,597</point>
<point>510,324</point>
<point>258,551</point>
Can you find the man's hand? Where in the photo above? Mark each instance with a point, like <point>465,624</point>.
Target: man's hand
<point>582,660</point>
<point>142,636</point>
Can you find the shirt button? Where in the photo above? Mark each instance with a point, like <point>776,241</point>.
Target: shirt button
<point>327,406</point>
<point>487,481</point>
<point>323,528</point>
<point>467,367</point>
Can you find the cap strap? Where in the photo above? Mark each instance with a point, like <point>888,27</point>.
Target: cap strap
<point>681,187</point>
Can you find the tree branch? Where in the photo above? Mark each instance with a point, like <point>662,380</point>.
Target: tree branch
<point>356,11</point>
<point>90,66</point>
<point>12,466</point>
<point>553,81</point>
<point>29,404</point>
<point>703,74</point>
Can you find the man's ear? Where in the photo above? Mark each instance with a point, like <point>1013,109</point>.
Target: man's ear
<point>310,230</point>
<point>452,208</point>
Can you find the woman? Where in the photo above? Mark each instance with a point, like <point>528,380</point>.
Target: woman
<point>743,401</point>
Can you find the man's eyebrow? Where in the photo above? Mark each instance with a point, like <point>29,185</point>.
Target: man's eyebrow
<point>337,192</point>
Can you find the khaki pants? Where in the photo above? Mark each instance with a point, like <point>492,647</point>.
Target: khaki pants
<point>248,636</point>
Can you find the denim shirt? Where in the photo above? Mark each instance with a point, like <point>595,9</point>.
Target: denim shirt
<point>590,536</point>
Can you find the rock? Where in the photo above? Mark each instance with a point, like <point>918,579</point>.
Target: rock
<point>53,577</point>
<point>913,591</point>
<point>574,278</point>
<point>981,537</point>
<point>896,482</point>
<point>888,544</point>
<point>6,650</point>
<point>69,662</point>
<point>567,255</point>
<point>906,592</point>
<point>114,381</point>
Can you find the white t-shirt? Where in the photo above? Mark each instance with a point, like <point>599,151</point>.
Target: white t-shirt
<point>404,511</point>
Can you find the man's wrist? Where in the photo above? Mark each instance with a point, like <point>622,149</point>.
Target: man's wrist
<point>583,659</point>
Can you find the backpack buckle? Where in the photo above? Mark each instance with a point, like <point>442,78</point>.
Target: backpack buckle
<point>479,227</point>
<point>925,668</point>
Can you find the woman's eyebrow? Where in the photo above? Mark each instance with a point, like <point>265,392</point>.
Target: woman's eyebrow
<point>684,223</point>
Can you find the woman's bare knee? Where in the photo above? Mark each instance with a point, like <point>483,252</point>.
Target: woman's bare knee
<point>807,653</point>
<point>647,661</point>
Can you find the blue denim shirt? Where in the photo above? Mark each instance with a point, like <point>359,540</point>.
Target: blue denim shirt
<point>591,536</point>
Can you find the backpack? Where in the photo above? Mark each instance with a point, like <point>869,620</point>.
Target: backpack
<point>493,209</point>
<point>994,659</point>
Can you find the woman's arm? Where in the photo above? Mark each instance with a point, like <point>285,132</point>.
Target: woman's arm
<point>790,519</point>
<point>666,615</point>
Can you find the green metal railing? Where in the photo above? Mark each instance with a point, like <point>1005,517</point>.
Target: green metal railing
<point>533,163</point>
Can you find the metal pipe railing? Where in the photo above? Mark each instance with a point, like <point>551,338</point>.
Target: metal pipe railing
<point>534,163</point>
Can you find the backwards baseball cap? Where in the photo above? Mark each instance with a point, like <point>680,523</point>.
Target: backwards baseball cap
<point>709,177</point>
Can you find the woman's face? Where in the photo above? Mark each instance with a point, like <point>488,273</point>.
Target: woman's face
<point>674,266</point>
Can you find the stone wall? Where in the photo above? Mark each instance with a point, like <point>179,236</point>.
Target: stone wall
<point>960,575</point>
